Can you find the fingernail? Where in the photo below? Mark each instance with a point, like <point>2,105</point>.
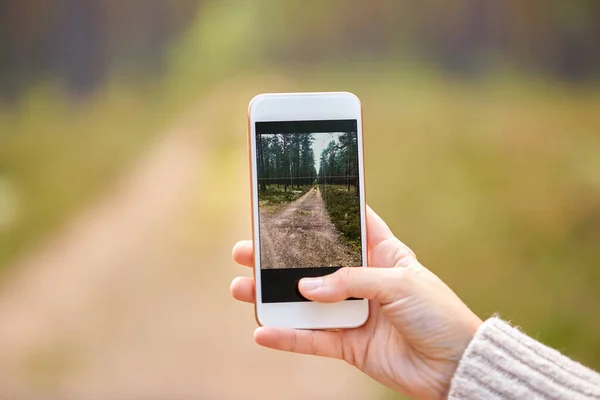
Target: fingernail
<point>310,284</point>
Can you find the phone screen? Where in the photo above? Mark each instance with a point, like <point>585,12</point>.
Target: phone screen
<point>309,202</point>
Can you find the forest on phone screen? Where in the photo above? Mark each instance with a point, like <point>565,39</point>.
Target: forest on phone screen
<point>309,199</point>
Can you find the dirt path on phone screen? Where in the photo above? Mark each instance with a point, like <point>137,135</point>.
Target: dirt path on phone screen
<point>302,235</point>
<point>130,300</point>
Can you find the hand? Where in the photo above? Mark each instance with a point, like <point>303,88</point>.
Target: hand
<point>417,329</point>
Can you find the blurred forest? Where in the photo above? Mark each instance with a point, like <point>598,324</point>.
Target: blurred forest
<point>80,43</point>
<point>482,135</point>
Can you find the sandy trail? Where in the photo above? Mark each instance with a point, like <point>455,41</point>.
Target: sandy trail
<point>302,235</point>
<point>131,300</point>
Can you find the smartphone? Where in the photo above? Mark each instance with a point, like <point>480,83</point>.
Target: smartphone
<point>308,204</point>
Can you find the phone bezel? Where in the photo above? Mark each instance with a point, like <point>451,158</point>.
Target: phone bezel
<point>302,107</point>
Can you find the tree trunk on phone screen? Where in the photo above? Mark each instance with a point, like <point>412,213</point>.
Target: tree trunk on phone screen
<point>285,164</point>
<point>261,162</point>
<point>277,165</point>
<point>297,163</point>
<point>348,152</point>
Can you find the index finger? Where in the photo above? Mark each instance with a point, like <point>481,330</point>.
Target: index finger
<point>318,343</point>
<point>243,253</point>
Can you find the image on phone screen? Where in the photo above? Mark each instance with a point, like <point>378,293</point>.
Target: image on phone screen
<point>309,202</point>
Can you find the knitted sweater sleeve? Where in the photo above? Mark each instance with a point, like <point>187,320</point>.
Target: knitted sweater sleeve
<point>501,362</point>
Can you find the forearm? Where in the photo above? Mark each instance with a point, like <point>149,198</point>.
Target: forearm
<point>503,363</point>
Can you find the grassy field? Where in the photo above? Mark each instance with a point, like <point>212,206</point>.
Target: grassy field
<point>343,207</point>
<point>59,154</point>
<point>495,184</point>
<point>55,156</point>
<point>276,197</point>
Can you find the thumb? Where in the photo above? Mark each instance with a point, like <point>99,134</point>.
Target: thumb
<point>385,285</point>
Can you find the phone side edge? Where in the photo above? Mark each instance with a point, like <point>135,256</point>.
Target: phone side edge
<point>364,180</point>
<point>364,206</point>
<point>251,186</point>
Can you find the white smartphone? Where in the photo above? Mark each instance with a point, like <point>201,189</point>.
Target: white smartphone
<point>308,204</point>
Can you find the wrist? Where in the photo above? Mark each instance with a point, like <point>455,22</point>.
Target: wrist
<point>471,327</point>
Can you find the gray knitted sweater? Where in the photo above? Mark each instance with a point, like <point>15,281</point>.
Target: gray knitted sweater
<point>503,363</point>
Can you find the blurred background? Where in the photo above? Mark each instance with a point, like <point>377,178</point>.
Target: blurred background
<point>123,178</point>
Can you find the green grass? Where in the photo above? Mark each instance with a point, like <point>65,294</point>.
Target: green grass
<point>275,196</point>
<point>343,207</point>
<point>56,157</point>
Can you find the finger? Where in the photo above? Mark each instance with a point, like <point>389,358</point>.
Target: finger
<point>385,250</point>
<point>243,253</point>
<point>242,289</point>
<point>318,343</point>
<point>384,285</point>
<point>377,229</point>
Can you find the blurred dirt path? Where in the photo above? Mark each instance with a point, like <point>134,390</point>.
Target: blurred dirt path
<point>130,300</point>
<point>302,235</point>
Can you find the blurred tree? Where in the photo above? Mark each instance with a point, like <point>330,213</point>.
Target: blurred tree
<point>577,46</point>
<point>460,35</point>
<point>80,46</point>
<point>78,43</point>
